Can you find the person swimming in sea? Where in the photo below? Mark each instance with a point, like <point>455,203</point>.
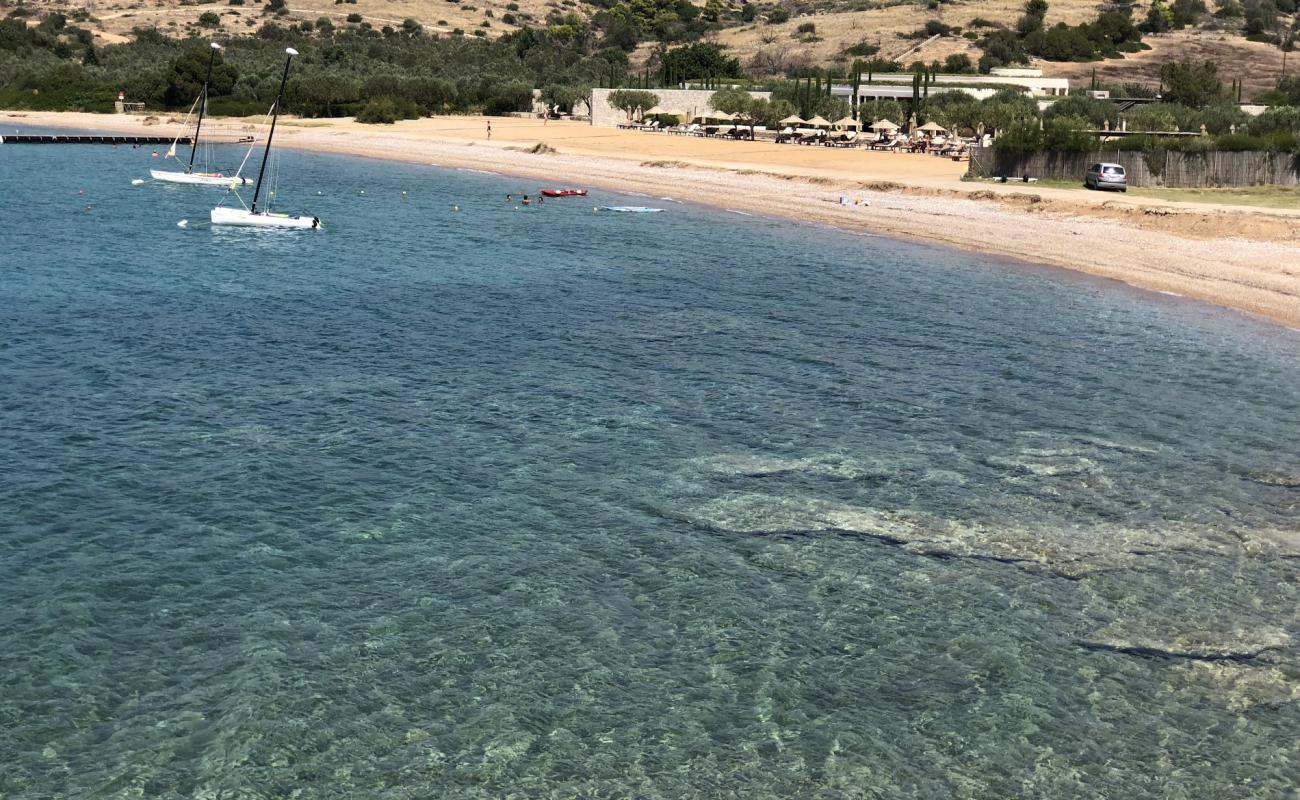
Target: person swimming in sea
<point>526,201</point>
<point>510,198</point>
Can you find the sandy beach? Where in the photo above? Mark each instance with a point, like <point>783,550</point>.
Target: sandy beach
<point>1233,256</point>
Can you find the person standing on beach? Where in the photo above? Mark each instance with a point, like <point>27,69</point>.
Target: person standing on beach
<point>489,129</point>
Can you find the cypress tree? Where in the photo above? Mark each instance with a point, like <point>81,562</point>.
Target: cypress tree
<point>857,83</point>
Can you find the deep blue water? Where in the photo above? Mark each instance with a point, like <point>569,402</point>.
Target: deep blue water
<point>552,503</point>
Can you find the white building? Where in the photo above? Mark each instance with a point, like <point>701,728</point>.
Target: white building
<point>898,85</point>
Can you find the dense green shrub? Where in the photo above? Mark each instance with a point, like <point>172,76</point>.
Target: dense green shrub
<point>1019,139</point>
<point>387,110</point>
<point>338,74</point>
<point>1279,119</point>
<point>958,63</point>
<point>1078,106</point>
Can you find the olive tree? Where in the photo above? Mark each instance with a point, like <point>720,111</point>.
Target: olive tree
<point>736,102</point>
<point>629,100</point>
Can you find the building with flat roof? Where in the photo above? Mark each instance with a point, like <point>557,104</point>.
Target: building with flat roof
<point>898,85</point>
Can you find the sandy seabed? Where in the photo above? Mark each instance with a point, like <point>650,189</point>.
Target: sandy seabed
<point>1238,257</point>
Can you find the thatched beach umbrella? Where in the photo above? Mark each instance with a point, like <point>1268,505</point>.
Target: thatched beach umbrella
<point>794,119</point>
<point>883,125</point>
<point>672,112</point>
<point>932,127</point>
<point>818,122</point>
<point>846,122</point>
<point>720,116</point>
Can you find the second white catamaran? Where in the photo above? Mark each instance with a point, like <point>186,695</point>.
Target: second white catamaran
<point>215,178</point>
<point>264,218</point>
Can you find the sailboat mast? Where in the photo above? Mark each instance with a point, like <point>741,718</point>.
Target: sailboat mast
<point>275,115</point>
<point>203,105</point>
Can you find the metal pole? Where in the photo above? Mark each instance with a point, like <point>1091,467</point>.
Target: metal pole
<point>275,114</point>
<point>203,105</point>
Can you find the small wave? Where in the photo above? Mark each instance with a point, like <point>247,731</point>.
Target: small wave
<point>741,213</point>
<point>479,171</point>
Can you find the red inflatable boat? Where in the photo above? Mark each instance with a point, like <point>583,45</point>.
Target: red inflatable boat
<point>564,192</point>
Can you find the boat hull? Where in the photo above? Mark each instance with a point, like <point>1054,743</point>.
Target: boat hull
<point>564,192</point>
<point>198,178</point>
<point>241,217</point>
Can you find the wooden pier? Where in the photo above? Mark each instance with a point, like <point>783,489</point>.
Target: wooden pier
<point>40,138</point>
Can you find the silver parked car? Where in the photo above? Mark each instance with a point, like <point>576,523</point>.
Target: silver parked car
<point>1106,176</point>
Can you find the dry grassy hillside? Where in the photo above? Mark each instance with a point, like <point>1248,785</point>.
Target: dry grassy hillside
<point>1256,65</point>
<point>766,48</point>
<point>114,18</point>
<point>882,27</point>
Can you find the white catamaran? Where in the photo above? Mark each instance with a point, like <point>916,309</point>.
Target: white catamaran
<point>251,216</point>
<point>189,175</point>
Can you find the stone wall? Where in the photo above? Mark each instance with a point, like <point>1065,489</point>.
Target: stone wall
<point>691,101</point>
<point>1179,170</point>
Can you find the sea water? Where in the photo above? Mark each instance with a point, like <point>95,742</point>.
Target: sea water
<point>457,498</point>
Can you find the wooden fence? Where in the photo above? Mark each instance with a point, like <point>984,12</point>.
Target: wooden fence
<point>1178,170</point>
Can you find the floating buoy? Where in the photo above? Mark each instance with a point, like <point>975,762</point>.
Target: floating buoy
<point>455,208</point>
<point>80,192</point>
<point>137,181</point>
<point>320,193</point>
<point>403,194</point>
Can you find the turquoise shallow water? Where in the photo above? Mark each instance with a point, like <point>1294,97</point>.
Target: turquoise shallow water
<point>550,503</point>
